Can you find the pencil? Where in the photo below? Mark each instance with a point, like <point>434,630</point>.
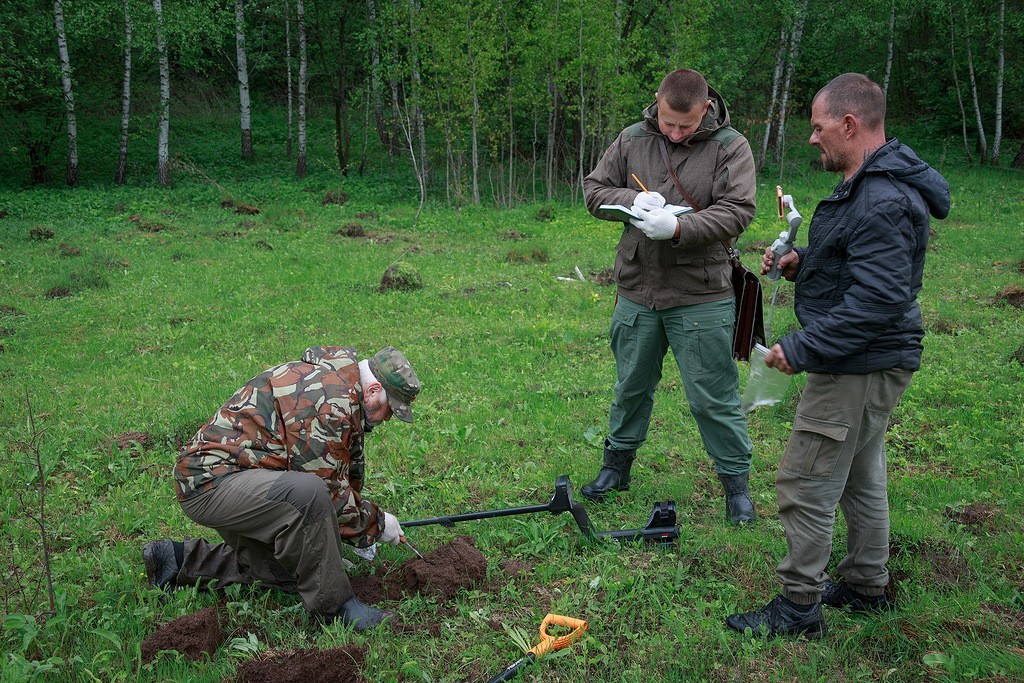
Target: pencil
<point>638,182</point>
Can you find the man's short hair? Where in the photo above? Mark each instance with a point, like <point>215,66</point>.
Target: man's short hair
<point>855,94</point>
<point>683,89</point>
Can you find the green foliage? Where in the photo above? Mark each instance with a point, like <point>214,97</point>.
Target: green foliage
<point>517,380</point>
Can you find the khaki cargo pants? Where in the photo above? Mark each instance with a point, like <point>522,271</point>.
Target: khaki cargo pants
<point>836,457</point>
<point>279,528</point>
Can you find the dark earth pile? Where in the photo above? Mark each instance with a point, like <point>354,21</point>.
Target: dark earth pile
<point>337,665</point>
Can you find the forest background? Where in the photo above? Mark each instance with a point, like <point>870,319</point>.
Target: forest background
<point>241,175</point>
<point>479,100</point>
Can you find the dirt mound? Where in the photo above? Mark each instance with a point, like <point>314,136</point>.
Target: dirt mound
<point>441,573</point>
<point>338,665</point>
<point>1012,295</point>
<point>193,635</point>
<point>446,570</point>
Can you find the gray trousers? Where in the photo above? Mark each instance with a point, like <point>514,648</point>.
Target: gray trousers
<point>279,528</point>
<point>836,457</point>
<point>701,340</point>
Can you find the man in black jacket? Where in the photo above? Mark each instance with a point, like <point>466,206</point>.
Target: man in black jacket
<point>856,299</point>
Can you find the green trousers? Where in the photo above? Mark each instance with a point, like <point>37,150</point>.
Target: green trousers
<point>700,337</point>
<point>836,457</point>
<point>279,528</point>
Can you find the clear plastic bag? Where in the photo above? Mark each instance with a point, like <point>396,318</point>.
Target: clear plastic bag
<point>765,386</point>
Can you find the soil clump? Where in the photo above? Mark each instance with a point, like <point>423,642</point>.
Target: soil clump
<point>337,665</point>
<point>193,635</point>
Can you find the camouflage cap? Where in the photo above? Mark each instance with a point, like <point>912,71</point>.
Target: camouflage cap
<point>399,380</point>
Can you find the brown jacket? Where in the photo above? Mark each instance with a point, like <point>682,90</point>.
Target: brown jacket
<point>716,167</point>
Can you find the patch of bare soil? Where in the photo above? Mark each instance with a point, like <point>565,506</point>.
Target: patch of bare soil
<point>246,210</point>
<point>975,517</point>
<point>129,441</point>
<point>604,278</point>
<point>1018,355</point>
<point>352,230</point>
<point>194,635</point>
<point>441,573</point>
<point>948,566</point>
<point>447,570</point>
<point>337,665</point>
<point>511,234</point>
<point>1012,295</point>
<point>337,197</point>
<point>1014,618</point>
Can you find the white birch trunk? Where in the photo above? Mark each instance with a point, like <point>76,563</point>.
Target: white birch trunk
<point>378,105</point>
<point>956,83</point>
<point>583,127</point>
<point>288,64</point>
<point>1000,70</point>
<point>126,99</point>
<point>780,60</point>
<point>476,149</point>
<point>300,23</point>
<point>982,139</point>
<point>421,126</point>
<point>889,51</point>
<point>69,96</point>
<point>163,157</point>
<point>243,80</point>
<point>794,52</point>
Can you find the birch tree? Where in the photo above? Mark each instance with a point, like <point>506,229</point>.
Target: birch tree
<point>126,97</point>
<point>243,81</point>
<point>288,65</point>
<point>69,96</point>
<point>1000,71</point>
<point>794,51</point>
<point>163,156</point>
<point>956,84</point>
<point>300,25</point>
<point>773,100</point>
<point>889,49</point>
<point>982,139</point>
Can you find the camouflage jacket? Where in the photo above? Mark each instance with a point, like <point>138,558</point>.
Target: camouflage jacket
<point>305,416</point>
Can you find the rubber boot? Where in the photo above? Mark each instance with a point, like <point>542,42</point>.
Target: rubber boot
<point>738,505</point>
<point>614,474</point>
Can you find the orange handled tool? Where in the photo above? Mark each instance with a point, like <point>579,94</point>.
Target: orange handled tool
<point>548,643</point>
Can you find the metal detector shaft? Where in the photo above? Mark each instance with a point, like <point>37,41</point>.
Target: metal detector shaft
<point>661,528</point>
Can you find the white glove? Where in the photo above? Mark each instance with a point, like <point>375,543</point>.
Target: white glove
<point>392,530</point>
<point>366,553</point>
<point>658,224</point>
<point>645,201</point>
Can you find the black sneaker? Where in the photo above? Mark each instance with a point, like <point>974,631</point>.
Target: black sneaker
<point>841,595</point>
<point>161,565</point>
<point>781,617</point>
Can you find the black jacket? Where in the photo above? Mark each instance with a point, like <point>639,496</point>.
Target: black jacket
<point>858,277</point>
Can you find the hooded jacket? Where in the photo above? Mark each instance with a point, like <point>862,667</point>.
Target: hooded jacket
<point>304,416</point>
<point>716,167</point>
<point>858,278</point>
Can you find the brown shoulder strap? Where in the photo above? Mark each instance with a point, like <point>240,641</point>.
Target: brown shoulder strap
<point>734,257</point>
<point>675,179</point>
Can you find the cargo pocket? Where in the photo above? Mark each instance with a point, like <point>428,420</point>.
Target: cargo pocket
<point>815,447</point>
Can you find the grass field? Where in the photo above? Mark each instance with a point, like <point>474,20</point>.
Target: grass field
<point>127,316</point>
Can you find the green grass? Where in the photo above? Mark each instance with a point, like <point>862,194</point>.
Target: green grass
<point>175,302</point>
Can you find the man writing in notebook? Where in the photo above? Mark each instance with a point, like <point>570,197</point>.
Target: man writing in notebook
<point>673,277</point>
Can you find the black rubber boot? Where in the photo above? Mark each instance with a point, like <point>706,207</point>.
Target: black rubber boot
<point>781,617</point>
<point>738,505</point>
<point>161,564</point>
<point>614,474</point>
<point>361,617</point>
